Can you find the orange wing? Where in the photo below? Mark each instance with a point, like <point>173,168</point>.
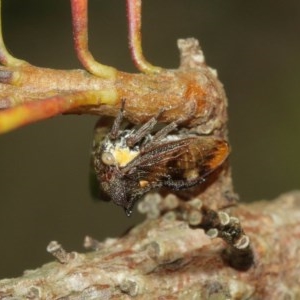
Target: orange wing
<point>186,160</point>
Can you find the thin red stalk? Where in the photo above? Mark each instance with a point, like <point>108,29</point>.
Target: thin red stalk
<point>80,32</point>
<point>134,35</point>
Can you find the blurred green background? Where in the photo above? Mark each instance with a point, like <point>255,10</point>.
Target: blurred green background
<point>254,45</point>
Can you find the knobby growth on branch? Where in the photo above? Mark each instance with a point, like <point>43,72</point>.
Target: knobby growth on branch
<point>196,243</point>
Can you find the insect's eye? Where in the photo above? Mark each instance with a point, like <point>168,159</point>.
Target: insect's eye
<point>108,159</point>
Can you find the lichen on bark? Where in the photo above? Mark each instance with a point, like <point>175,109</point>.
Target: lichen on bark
<point>165,259</point>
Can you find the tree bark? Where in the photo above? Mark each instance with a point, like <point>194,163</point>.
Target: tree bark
<point>165,259</point>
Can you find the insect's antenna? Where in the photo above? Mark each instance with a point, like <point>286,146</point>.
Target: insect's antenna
<point>117,123</point>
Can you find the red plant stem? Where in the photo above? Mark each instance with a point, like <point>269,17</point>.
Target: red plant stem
<point>31,112</point>
<point>80,32</point>
<point>134,36</point>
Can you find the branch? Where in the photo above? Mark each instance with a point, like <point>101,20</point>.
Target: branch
<point>163,258</point>
<point>191,93</point>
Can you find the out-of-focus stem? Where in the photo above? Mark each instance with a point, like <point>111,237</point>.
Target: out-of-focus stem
<point>80,32</point>
<point>134,35</point>
<point>7,59</point>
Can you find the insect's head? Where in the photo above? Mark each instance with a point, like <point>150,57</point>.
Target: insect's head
<point>111,155</point>
<point>113,183</point>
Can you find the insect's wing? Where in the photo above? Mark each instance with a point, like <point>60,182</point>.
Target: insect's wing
<point>204,155</point>
<point>179,164</point>
<point>152,161</point>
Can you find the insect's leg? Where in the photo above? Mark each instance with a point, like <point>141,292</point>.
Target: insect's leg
<point>161,134</point>
<point>182,184</point>
<point>117,123</point>
<point>169,128</point>
<point>164,132</point>
<point>145,129</point>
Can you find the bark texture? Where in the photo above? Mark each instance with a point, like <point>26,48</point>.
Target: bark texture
<point>165,259</point>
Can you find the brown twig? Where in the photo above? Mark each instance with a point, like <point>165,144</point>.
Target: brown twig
<point>191,93</point>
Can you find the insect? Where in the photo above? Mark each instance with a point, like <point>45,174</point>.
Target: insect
<point>132,161</point>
